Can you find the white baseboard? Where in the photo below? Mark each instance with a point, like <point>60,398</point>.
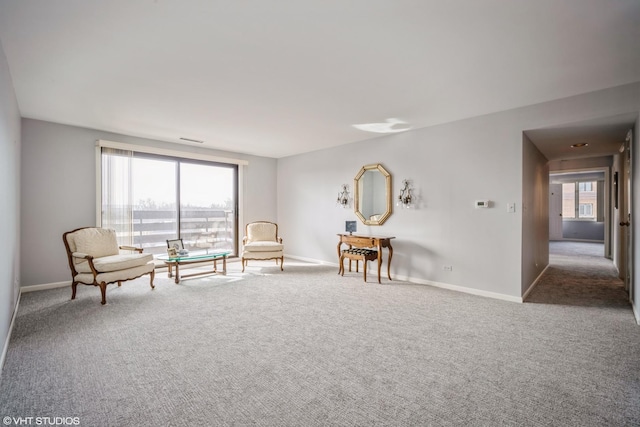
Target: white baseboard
<point>44,286</point>
<point>463,289</point>
<point>6,342</point>
<point>472,291</point>
<point>636,313</point>
<point>457,288</point>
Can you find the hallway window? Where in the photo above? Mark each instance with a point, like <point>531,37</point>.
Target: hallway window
<point>579,200</point>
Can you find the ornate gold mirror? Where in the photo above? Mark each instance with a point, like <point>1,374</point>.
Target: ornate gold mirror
<point>372,194</point>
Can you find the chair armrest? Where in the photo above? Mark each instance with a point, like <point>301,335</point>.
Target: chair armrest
<point>131,248</point>
<point>89,259</point>
<point>81,255</point>
<point>245,239</point>
<point>279,239</point>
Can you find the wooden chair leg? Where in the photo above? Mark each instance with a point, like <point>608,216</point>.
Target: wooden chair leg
<point>103,291</point>
<point>153,275</point>
<point>281,264</point>
<point>74,288</point>
<point>364,268</point>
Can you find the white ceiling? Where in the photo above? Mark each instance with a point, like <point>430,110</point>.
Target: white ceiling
<point>277,78</point>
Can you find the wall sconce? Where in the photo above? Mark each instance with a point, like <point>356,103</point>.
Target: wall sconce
<point>405,199</point>
<point>343,197</point>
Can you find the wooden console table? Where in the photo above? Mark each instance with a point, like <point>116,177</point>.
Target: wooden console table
<point>378,242</point>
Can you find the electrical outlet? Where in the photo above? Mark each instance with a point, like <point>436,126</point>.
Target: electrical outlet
<point>447,268</point>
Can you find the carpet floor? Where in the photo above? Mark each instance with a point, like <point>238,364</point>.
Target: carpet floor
<point>306,347</point>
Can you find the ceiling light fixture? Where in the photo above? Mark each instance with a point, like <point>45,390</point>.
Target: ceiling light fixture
<point>388,126</point>
<point>579,145</point>
<point>192,140</point>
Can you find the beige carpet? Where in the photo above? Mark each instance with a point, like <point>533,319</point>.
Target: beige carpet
<point>305,347</point>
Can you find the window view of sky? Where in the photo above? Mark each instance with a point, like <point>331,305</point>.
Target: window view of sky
<point>201,185</point>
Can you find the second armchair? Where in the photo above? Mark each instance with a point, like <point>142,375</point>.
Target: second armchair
<point>261,242</point>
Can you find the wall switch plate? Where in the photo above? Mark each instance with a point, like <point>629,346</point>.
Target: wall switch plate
<point>447,268</point>
<point>511,207</point>
<point>482,204</point>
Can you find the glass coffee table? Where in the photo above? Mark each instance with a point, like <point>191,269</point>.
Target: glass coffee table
<point>195,258</point>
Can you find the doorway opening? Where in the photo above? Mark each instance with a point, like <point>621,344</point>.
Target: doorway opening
<point>578,207</point>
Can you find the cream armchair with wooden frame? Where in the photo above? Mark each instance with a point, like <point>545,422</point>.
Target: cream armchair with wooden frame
<point>261,242</point>
<point>95,259</point>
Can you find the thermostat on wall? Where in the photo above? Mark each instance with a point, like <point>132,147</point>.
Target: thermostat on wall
<point>482,203</point>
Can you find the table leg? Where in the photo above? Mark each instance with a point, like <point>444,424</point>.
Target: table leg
<point>389,262</point>
<point>379,260</point>
<point>224,265</point>
<point>177,274</point>
<point>170,270</point>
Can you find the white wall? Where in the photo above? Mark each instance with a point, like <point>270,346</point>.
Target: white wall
<point>451,165</point>
<point>59,191</point>
<point>10,201</point>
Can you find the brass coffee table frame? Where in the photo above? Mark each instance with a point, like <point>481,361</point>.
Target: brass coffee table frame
<point>195,259</point>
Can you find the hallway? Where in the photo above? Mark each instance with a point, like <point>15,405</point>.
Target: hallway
<point>580,275</point>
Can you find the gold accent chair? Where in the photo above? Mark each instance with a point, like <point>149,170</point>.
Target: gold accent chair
<point>261,242</point>
<point>95,259</point>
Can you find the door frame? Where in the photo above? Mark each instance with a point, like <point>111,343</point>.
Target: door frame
<point>626,216</point>
<point>608,218</point>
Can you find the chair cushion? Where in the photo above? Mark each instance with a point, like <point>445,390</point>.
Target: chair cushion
<point>115,276</point>
<point>262,246</point>
<point>259,231</point>
<point>115,263</point>
<point>262,255</point>
<point>97,242</point>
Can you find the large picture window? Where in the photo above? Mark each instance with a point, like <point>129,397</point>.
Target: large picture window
<point>149,199</point>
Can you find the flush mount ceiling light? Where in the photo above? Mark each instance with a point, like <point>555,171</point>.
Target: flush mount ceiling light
<point>579,145</point>
<point>388,126</point>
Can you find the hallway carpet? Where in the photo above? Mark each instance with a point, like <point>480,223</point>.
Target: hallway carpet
<point>580,275</point>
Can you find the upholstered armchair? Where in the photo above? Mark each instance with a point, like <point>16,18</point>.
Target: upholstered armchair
<point>261,242</point>
<point>95,259</point>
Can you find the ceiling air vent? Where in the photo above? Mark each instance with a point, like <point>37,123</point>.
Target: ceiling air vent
<point>192,140</point>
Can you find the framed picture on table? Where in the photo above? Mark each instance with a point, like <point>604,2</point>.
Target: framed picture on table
<point>175,244</point>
